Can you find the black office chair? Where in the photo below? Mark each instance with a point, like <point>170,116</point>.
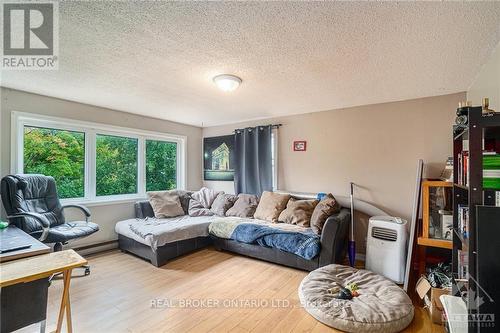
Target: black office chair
<point>32,204</point>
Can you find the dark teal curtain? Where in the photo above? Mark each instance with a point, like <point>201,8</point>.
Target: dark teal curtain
<point>253,157</point>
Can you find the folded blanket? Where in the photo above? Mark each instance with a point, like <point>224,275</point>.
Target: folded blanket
<point>147,226</point>
<point>290,238</point>
<point>159,232</point>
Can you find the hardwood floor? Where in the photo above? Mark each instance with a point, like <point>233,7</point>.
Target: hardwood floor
<point>127,294</point>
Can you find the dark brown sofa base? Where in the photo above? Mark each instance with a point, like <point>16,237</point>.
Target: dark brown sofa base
<point>163,253</point>
<point>266,253</point>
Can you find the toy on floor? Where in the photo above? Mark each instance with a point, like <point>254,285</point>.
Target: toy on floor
<point>353,287</point>
<point>344,293</point>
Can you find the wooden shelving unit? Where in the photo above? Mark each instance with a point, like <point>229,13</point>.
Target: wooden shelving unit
<point>479,247</point>
<point>426,239</point>
<point>434,242</point>
<point>431,189</point>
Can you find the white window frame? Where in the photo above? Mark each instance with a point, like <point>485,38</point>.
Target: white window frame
<point>21,119</point>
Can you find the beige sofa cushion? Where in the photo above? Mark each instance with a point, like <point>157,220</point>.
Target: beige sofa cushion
<point>326,207</point>
<point>270,206</point>
<point>222,203</point>
<point>298,212</point>
<point>244,206</point>
<point>165,203</point>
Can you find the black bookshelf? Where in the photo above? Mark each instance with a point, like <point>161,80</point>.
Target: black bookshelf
<point>480,249</point>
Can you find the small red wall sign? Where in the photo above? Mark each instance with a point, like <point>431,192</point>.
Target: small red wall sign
<point>299,145</point>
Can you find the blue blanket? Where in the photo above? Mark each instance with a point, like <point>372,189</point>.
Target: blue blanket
<point>304,244</point>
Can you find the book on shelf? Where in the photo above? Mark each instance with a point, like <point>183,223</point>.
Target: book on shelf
<point>463,264</point>
<point>491,169</point>
<point>463,170</point>
<point>463,221</point>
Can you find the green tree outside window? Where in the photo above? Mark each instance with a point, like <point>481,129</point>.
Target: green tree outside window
<point>57,153</point>
<point>161,165</point>
<point>116,165</point>
<point>61,154</point>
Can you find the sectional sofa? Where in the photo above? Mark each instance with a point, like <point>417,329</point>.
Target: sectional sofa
<point>160,240</point>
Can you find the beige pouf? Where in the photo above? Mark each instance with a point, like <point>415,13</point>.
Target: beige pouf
<point>382,306</point>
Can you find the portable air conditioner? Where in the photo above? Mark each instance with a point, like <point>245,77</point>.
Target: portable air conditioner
<point>386,247</point>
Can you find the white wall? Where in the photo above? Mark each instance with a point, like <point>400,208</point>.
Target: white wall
<point>487,83</point>
<point>105,215</point>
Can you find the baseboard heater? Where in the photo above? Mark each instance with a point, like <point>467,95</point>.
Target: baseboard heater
<point>97,247</point>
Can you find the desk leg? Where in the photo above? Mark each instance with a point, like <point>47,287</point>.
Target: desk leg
<point>68,305</point>
<point>65,304</point>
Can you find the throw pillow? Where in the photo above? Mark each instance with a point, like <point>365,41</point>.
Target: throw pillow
<point>244,206</point>
<point>222,203</point>
<point>184,197</point>
<point>298,212</point>
<point>165,203</point>
<point>270,206</point>
<point>326,207</point>
<point>201,201</point>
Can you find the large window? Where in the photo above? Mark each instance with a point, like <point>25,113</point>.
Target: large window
<point>116,165</point>
<point>58,153</point>
<point>161,165</point>
<point>95,162</point>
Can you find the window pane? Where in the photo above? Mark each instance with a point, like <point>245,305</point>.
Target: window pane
<point>56,153</point>
<point>116,165</point>
<point>161,165</point>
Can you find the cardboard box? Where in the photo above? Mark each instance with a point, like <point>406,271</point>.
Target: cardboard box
<point>430,296</point>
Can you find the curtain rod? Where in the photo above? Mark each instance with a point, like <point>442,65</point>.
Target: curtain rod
<point>272,126</point>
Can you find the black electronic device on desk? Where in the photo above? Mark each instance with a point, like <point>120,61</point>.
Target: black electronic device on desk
<point>16,244</point>
<point>13,244</point>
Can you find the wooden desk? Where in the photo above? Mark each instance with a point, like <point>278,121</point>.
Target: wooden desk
<point>43,266</point>
<point>36,247</point>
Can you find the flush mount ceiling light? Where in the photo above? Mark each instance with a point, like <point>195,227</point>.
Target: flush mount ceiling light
<point>227,82</point>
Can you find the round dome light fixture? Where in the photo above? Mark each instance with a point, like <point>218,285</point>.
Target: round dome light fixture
<point>227,82</point>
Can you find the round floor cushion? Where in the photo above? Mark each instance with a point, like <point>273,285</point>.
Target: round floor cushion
<point>381,306</point>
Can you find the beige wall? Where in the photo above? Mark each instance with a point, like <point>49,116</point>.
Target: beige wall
<point>375,146</point>
<point>105,215</point>
<point>487,83</point>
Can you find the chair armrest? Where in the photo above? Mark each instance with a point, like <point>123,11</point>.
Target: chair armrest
<point>334,238</point>
<point>84,210</point>
<point>39,217</point>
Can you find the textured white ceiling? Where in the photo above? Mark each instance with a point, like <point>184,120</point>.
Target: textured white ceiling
<point>158,58</point>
